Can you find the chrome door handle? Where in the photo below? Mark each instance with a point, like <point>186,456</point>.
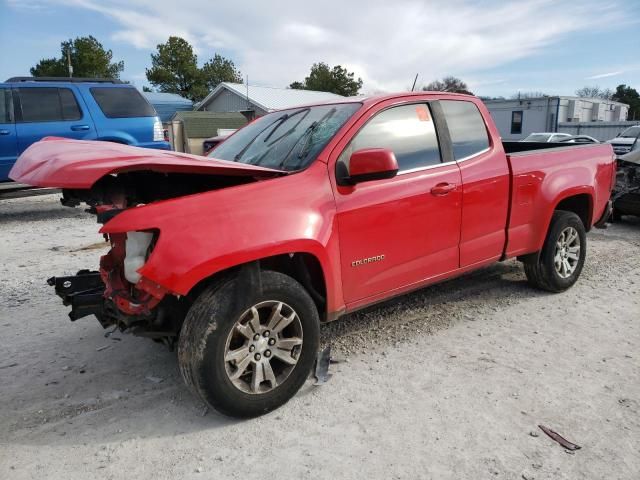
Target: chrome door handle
<point>4,132</point>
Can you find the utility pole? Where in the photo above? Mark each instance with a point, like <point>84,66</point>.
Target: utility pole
<point>248,104</point>
<point>70,67</point>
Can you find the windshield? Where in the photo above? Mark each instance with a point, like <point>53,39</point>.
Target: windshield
<point>631,132</point>
<point>286,140</point>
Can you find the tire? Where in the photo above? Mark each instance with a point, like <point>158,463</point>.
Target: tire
<point>222,318</point>
<point>542,271</point>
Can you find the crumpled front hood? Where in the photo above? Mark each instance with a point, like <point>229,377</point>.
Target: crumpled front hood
<point>65,163</point>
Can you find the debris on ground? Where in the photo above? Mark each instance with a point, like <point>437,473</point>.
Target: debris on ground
<point>560,439</point>
<point>104,347</point>
<point>153,379</point>
<point>321,370</point>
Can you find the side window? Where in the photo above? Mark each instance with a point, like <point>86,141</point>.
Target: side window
<point>6,106</point>
<point>121,102</point>
<point>516,122</point>
<point>407,131</point>
<point>48,104</point>
<point>466,128</point>
<point>69,105</point>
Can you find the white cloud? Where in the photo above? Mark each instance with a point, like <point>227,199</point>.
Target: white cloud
<point>386,43</point>
<point>605,75</point>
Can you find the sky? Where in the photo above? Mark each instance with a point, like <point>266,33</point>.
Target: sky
<point>497,47</point>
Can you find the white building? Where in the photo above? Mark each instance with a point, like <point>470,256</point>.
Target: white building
<point>517,118</point>
<point>256,101</point>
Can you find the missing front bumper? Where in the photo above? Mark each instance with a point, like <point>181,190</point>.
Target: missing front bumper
<point>84,292</point>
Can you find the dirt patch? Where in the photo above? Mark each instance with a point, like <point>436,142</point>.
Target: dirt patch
<point>447,382</point>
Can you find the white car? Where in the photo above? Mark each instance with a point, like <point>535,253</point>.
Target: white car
<point>580,139</point>
<point>546,137</point>
<point>626,141</point>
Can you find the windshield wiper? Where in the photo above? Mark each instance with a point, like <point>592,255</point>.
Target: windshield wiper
<point>280,121</point>
<point>291,129</point>
<point>307,135</point>
<point>239,155</point>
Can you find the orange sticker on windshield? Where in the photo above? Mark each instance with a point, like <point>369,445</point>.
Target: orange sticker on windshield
<point>423,113</point>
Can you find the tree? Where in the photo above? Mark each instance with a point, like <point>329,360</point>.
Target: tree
<point>630,96</point>
<point>88,59</point>
<point>218,70</point>
<point>594,92</point>
<point>146,89</point>
<point>50,67</point>
<point>174,69</point>
<point>325,79</point>
<point>448,84</point>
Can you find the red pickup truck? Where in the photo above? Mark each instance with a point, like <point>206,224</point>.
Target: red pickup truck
<point>307,214</point>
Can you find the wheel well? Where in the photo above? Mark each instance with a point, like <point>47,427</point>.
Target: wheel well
<point>580,205</point>
<point>303,267</point>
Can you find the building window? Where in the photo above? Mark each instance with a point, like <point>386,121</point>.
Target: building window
<point>516,122</point>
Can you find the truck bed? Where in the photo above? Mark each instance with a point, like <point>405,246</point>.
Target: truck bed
<point>524,147</point>
<point>545,173</point>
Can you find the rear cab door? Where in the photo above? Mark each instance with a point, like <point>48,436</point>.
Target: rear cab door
<point>398,232</point>
<point>123,115</point>
<point>8,139</point>
<point>44,110</point>
<point>485,179</point>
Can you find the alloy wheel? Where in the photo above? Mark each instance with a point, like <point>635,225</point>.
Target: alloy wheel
<point>263,347</point>
<point>567,252</point>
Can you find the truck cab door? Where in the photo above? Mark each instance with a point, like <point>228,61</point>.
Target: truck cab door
<point>485,178</point>
<point>8,140</point>
<point>50,112</point>
<point>398,232</point>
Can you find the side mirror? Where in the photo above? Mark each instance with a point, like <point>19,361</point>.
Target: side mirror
<point>369,164</point>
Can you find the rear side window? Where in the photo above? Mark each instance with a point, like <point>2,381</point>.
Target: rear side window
<point>6,106</point>
<point>117,102</point>
<point>466,128</point>
<point>48,104</point>
<point>407,131</point>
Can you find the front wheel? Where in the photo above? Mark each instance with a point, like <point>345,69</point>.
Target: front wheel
<point>247,354</point>
<point>560,262</point>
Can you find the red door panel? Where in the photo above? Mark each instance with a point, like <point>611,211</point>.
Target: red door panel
<point>396,232</point>
<point>485,203</point>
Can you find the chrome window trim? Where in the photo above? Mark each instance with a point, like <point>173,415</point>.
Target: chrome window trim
<point>428,167</point>
<point>473,155</point>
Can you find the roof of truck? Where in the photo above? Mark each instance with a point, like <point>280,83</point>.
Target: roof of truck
<point>369,100</point>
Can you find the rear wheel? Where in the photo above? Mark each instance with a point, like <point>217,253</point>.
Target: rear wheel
<point>560,262</point>
<point>246,355</point>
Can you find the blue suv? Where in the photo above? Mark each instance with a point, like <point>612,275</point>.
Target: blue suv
<point>81,108</point>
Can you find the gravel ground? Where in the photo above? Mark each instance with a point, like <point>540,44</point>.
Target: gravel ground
<point>449,382</point>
